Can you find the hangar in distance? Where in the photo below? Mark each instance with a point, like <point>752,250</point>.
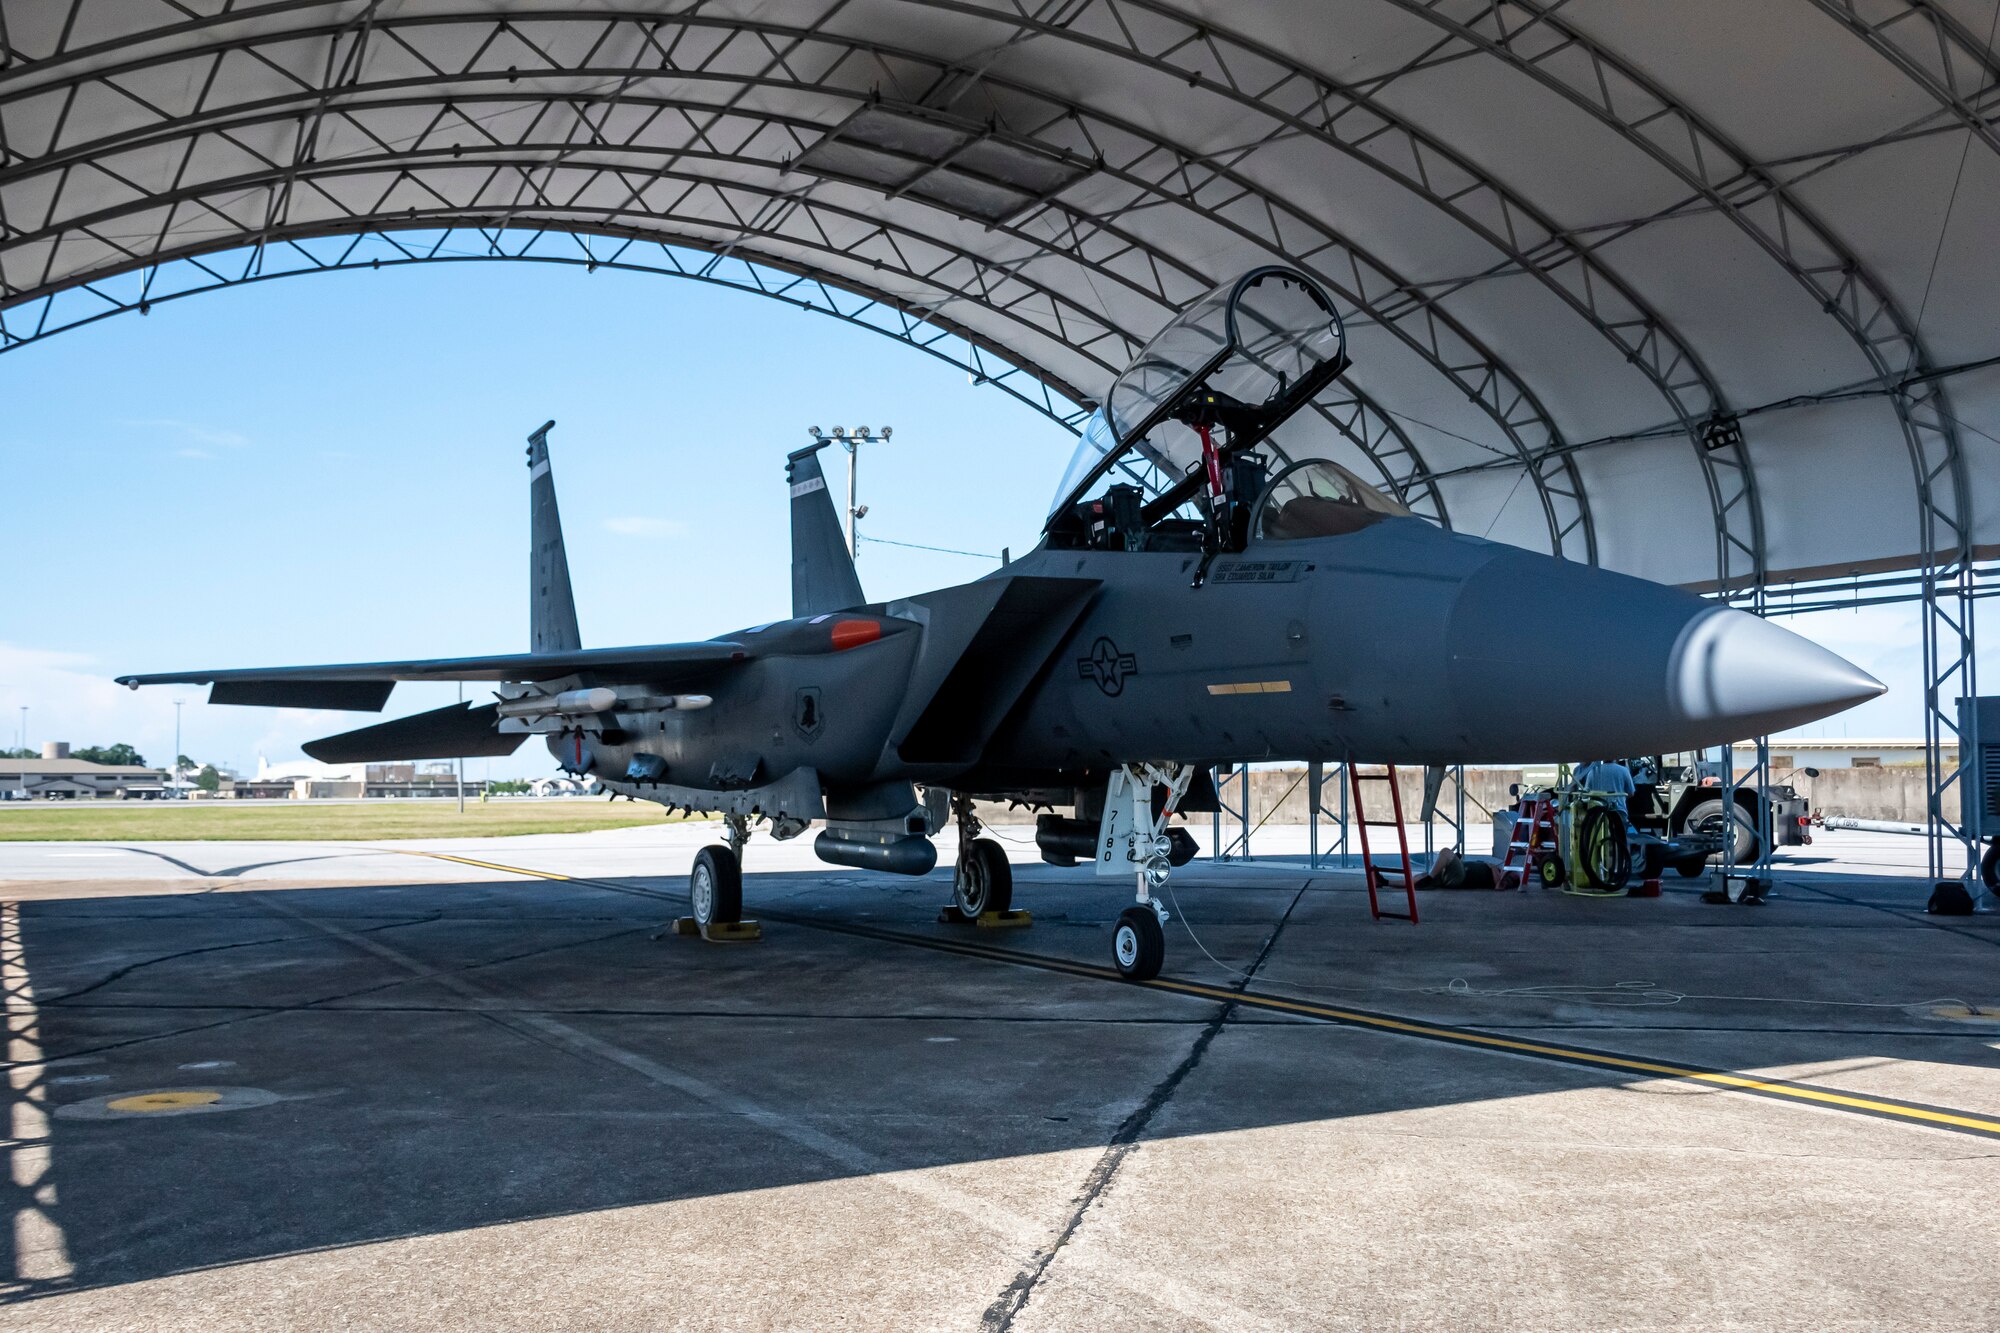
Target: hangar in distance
<point>1197,598</point>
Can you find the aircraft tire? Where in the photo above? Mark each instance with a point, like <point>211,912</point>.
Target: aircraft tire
<point>715,886</point>
<point>1692,867</point>
<point>1138,945</point>
<point>984,882</point>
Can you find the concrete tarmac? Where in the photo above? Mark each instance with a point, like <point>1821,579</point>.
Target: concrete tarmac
<point>320,1085</point>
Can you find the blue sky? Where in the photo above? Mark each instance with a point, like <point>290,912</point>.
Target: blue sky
<point>331,469</point>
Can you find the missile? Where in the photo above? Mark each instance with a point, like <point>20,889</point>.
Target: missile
<point>601,699</point>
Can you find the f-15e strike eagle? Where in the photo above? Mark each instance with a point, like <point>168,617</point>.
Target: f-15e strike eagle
<point>1198,598</point>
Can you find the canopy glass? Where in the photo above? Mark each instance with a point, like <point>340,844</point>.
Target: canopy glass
<point>1265,342</point>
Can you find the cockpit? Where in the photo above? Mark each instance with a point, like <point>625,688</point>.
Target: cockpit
<point>1181,457</point>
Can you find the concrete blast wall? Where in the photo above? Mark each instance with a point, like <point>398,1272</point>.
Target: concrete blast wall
<point>1278,795</point>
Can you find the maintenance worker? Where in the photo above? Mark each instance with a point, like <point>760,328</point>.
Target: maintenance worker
<point>1611,777</point>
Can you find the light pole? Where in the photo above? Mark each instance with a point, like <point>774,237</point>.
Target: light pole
<point>461,759</point>
<point>852,442</point>
<point>24,726</point>
<point>177,745</point>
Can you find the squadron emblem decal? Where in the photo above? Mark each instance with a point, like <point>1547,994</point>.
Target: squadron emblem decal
<point>807,715</point>
<point>1108,667</point>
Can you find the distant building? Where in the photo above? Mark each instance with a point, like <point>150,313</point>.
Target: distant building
<point>1795,752</point>
<point>308,780</point>
<point>57,777</point>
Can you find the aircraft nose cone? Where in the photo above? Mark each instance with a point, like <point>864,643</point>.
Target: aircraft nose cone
<point>1551,660</point>
<point>1730,666</point>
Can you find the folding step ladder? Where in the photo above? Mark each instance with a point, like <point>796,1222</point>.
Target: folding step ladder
<point>1534,831</point>
<point>1379,876</point>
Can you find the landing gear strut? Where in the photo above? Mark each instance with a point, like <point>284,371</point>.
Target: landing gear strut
<point>1134,840</point>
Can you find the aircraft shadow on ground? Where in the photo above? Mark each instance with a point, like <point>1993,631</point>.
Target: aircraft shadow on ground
<point>445,1057</point>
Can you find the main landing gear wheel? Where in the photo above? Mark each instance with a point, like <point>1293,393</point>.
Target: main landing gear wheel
<point>985,882</point>
<point>716,887</point>
<point>1138,946</point>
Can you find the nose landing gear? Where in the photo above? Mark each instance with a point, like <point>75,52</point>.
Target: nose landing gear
<point>1133,839</point>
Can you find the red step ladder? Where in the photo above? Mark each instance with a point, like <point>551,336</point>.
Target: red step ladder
<point>1534,817</point>
<point>1379,876</point>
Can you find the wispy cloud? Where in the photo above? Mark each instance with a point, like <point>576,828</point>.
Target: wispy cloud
<point>193,432</point>
<point>192,453</point>
<point>656,529</point>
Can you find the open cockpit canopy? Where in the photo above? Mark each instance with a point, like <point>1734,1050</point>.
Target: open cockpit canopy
<point>1245,357</point>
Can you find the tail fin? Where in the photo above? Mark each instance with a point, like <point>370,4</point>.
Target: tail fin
<point>823,577</point>
<point>551,605</point>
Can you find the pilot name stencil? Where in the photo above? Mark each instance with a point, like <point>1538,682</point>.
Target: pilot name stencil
<point>1107,666</point>
<point>1257,571</point>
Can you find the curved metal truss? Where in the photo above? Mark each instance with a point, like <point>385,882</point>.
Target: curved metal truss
<point>1935,51</point>
<point>1158,173</point>
<point>686,128</point>
<point>138,290</point>
<point>545,200</point>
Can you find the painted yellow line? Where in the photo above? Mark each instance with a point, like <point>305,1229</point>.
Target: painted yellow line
<point>1384,1023</point>
<point>1467,1036</point>
<point>483,865</point>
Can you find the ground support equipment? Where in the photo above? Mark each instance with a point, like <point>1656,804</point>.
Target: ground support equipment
<point>1380,877</point>
<point>953,915</point>
<point>1533,839</point>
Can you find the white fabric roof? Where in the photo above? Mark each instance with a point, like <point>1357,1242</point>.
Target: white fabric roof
<point>1548,223</point>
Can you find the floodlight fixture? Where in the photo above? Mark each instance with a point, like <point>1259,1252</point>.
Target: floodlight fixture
<point>813,431</point>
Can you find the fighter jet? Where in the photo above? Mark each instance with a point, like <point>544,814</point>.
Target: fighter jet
<point>1200,597</point>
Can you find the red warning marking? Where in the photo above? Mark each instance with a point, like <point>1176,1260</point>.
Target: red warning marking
<point>854,633</point>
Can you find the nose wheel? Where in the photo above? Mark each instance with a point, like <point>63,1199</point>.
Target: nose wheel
<point>1133,839</point>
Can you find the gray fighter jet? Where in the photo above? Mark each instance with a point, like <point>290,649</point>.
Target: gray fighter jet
<point>1200,597</point>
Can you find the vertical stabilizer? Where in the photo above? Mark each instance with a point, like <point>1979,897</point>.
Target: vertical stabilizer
<point>823,577</point>
<point>551,605</point>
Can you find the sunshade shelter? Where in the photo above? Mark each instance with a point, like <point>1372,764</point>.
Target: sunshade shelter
<point>1703,292</point>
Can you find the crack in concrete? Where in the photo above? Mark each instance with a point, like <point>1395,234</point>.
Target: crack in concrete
<point>1000,1315</point>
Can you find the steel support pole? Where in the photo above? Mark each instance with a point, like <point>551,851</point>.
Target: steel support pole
<point>853,466</point>
<point>1950,673</point>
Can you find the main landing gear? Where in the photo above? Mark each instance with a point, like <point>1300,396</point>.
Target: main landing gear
<point>1133,839</point>
<point>982,887</point>
<point>715,888</point>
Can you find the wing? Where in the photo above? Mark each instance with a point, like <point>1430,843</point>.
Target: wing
<point>365,686</point>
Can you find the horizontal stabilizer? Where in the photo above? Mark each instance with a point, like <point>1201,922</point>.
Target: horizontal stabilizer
<point>360,696</point>
<point>456,731</point>
<point>365,686</point>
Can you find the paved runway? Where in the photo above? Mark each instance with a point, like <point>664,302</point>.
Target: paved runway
<point>259,1084</point>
